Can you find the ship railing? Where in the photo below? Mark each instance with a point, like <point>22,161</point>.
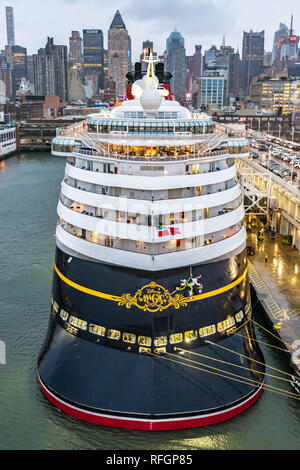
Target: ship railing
<point>150,158</point>
<point>150,248</point>
<point>142,219</point>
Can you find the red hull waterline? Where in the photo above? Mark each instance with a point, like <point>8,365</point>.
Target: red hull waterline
<point>150,425</point>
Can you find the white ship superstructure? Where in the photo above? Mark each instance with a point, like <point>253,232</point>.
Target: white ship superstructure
<point>144,187</point>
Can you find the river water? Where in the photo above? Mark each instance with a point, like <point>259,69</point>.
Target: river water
<point>29,191</point>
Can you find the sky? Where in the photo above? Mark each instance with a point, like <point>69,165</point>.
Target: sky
<point>202,22</point>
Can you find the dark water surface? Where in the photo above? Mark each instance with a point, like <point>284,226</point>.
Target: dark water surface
<point>29,191</point>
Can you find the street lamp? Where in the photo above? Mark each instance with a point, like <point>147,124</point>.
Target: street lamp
<point>293,132</point>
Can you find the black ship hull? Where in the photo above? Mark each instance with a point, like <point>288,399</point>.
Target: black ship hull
<point>107,380</point>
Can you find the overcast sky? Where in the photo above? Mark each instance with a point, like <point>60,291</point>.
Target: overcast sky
<point>199,21</point>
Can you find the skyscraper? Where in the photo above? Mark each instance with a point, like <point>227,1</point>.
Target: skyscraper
<point>19,66</point>
<point>289,46</point>
<point>60,55</point>
<point>10,25</point>
<point>197,69</point>
<point>5,75</point>
<point>75,50</point>
<point>253,56</point>
<point>278,36</point>
<point>93,60</point>
<point>177,64</point>
<point>119,54</point>
<point>50,71</point>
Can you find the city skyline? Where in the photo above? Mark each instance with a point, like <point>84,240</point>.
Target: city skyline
<point>155,22</point>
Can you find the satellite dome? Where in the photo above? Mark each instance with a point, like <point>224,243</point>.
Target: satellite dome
<point>151,100</point>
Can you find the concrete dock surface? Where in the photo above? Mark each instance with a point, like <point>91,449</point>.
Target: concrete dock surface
<point>277,284</point>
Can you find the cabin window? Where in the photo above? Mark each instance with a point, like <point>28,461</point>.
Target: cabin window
<point>55,305</point>
<point>71,329</point>
<point>97,330</point>
<point>78,323</point>
<point>207,330</point>
<point>160,351</point>
<point>176,338</point>
<point>64,315</point>
<point>144,350</point>
<point>144,341</point>
<point>129,338</point>
<point>160,341</point>
<point>114,334</point>
<point>239,316</point>
<point>190,336</point>
<point>224,325</point>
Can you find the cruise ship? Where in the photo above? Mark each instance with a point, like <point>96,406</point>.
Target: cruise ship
<point>150,324</point>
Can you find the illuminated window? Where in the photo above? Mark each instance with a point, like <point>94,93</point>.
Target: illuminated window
<point>64,315</point>
<point>228,323</point>
<point>78,322</point>
<point>114,334</point>
<point>71,329</point>
<point>160,351</point>
<point>207,330</point>
<point>196,169</point>
<point>239,316</point>
<point>97,330</point>
<point>129,338</point>
<point>144,350</point>
<point>55,305</point>
<point>144,341</point>
<point>190,336</point>
<point>177,338</point>
<point>160,341</point>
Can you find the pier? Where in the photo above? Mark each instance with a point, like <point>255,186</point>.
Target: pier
<point>277,286</point>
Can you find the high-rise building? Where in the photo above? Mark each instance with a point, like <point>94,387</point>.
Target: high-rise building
<point>176,59</point>
<point>289,46</point>
<point>109,95</point>
<point>276,94</point>
<point>105,65</point>
<point>75,50</point>
<point>44,74</point>
<point>5,75</point>
<point>213,86</point>
<point>278,36</point>
<point>253,56</point>
<point>197,63</point>
<point>228,59</point>
<point>119,54</point>
<point>30,74</point>
<point>50,67</point>
<point>60,54</point>
<point>10,27</point>
<point>93,55</point>
<point>209,56</point>
<point>19,66</point>
<point>234,74</point>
